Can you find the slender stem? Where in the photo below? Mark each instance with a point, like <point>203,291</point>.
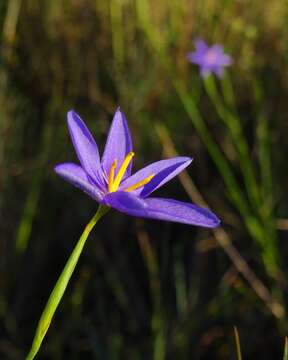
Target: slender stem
<point>233,124</point>
<point>61,284</point>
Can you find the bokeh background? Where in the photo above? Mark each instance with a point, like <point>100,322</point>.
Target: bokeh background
<point>145,289</point>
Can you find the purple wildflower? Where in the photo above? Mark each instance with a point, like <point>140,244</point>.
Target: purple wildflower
<point>210,59</point>
<point>109,180</point>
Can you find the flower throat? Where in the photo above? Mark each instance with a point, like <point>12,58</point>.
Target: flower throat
<point>114,181</point>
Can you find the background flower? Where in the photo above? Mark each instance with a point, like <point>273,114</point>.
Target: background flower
<point>210,59</point>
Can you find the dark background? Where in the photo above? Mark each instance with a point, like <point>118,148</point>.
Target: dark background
<point>145,289</point>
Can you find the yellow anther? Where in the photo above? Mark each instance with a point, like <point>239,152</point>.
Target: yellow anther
<point>111,176</point>
<point>140,183</point>
<point>121,171</point>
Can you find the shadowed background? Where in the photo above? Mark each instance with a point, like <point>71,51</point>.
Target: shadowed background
<point>145,289</point>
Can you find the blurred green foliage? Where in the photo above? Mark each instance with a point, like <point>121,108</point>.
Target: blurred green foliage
<point>145,289</point>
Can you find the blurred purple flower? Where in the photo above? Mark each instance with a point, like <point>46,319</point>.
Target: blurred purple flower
<point>210,59</point>
<point>109,180</point>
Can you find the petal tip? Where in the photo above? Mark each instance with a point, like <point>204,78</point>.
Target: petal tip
<point>188,159</point>
<point>119,117</point>
<point>214,221</point>
<point>57,168</point>
<point>72,116</point>
<point>118,112</point>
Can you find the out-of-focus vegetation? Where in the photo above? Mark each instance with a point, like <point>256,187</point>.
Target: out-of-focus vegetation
<point>145,289</point>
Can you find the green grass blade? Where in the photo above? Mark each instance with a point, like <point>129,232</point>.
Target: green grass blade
<point>233,124</point>
<point>61,285</point>
<point>214,151</point>
<point>264,141</point>
<point>237,341</point>
<point>117,31</point>
<point>285,355</point>
<point>35,188</point>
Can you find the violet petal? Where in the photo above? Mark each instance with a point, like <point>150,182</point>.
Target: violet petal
<point>201,46</point>
<point>84,144</point>
<point>75,175</point>
<point>164,171</point>
<point>161,209</point>
<point>118,145</point>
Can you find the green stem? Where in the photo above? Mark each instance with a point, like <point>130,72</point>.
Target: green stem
<point>61,284</point>
<point>233,124</point>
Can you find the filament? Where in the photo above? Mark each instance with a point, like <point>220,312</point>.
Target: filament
<point>122,170</point>
<point>111,176</point>
<point>140,183</point>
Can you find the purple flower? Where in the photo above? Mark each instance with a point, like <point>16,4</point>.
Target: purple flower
<point>109,180</point>
<point>210,59</point>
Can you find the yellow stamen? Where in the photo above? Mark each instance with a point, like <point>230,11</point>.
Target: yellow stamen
<point>113,183</point>
<point>111,176</point>
<point>121,171</point>
<point>140,183</point>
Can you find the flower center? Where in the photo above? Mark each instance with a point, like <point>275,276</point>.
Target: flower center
<point>114,181</point>
<point>210,57</point>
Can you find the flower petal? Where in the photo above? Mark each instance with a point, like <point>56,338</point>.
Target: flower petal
<point>118,144</point>
<point>84,144</point>
<point>220,58</point>
<point>75,175</point>
<point>161,209</point>
<point>226,60</point>
<point>201,46</point>
<point>217,49</point>
<point>164,171</point>
<point>183,212</point>
<point>198,55</point>
<point>195,57</point>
